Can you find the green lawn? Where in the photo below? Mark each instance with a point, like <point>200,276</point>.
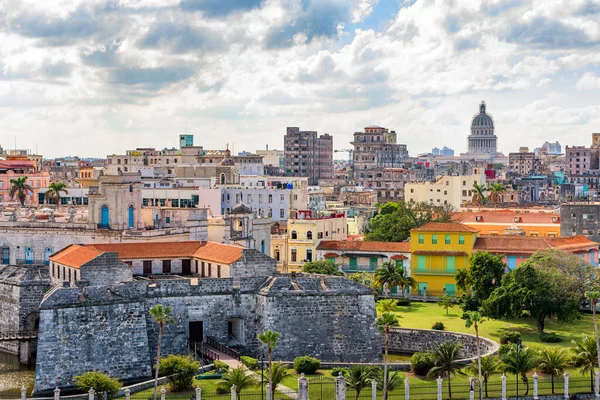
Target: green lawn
<point>423,315</point>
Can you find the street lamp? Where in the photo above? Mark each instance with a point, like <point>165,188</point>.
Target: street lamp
<point>262,376</point>
<point>472,388</point>
<point>519,347</point>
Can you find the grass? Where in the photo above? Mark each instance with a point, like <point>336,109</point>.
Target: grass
<point>423,315</point>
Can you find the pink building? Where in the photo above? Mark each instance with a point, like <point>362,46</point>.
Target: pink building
<point>11,169</point>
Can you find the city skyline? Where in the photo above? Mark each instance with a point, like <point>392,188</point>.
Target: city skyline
<point>98,77</point>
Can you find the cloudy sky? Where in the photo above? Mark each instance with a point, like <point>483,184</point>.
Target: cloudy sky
<point>97,77</point>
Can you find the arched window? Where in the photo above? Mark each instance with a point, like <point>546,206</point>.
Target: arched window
<point>277,255</point>
<point>222,179</point>
<point>309,235</point>
<point>104,214</point>
<point>294,235</point>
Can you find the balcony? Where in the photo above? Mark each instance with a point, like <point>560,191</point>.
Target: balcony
<point>433,271</point>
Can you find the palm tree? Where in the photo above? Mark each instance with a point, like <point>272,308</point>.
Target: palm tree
<point>593,297</point>
<point>238,379</point>
<point>280,372</point>
<point>54,190</point>
<point>585,356</point>
<point>446,357</point>
<point>527,362</point>
<point>358,378</point>
<point>388,305</point>
<point>496,190</point>
<point>20,189</point>
<point>385,323</point>
<point>488,366</point>
<point>473,320</point>
<point>387,276</point>
<point>270,338</point>
<point>553,361</point>
<point>162,316</point>
<point>404,280</point>
<point>393,380</point>
<point>478,194</point>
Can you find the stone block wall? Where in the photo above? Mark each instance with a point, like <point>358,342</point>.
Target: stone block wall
<point>106,269</point>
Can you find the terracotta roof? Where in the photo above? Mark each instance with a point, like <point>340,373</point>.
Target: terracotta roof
<point>507,244</point>
<point>219,253</point>
<point>342,245</point>
<point>398,257</point>
<point>331,255</point>
<point>150,249</point>
<point>75,255</point>
<point>445,227</point>
<point>505,217</point>
<point>439,253</point>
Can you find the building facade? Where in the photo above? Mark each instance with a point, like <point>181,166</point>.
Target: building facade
<point>452,190</point>
<point>307,154</point>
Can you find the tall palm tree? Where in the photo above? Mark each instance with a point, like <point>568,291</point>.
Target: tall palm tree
<point>473,320</point>
<point>20,188</point>
<point>489,365</point>
<point>405,281</point>
<point>393,381</point>
<point>54,190</point>
<point>527,362</point>
<point>162,316</point>
<point>280,372</point>
<point>270,338</point>
<point>593,297</point>
<point>237,378</point>
<point>358,378</point>
<point>387,305</point>
<point>446,357</point>
<point>585,356</point>
<point>553,361</point>
<point>387,276</point>
<point>478,194</point>
<point>384,324</point>
<point>496,190</point>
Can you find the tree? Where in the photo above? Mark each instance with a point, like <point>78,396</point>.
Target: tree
<point>325,267</point>
<point>526,363</point>
<point>384,324</point>
<point>20,189</point>
<point>180,370</point>
<point>54,190</point>
<point>480,279</point>
<point>101,383</point>
<point>538,288</point>
<point>473,320</point>
<point>479,198</point>
<point>388,305</point>
<point>358,377</point>
<point>270,338</point>
<point>489,365</point>
<point>238,379</point>
<point>280,372</point>
<point>386,276</point>
<point>593,298</point>
<point>446,302</point>
<point>496,190</point>
<point>162,316</point>
<point>446,362</point>
<point>405,281</point>
<point>553,361</point>
<point>585,356</point>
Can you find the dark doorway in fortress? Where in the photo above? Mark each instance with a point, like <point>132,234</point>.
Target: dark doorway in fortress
<point>196,331</point>
<point>186,267</point>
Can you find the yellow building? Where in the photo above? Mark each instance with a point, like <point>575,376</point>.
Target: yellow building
<point>453,190</point>
<point>438,250</point>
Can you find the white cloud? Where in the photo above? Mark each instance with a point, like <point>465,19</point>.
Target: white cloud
<point>588,81</point>
<point>363,9</point>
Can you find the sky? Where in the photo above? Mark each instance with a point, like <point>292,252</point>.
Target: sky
<point>98,77</point>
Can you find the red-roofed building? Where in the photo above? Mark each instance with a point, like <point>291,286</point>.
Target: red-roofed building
<point>357,256</point>
<point>508,222</point>
<point>17,168</point>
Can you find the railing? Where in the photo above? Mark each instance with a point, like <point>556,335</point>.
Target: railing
<point>31,261</point>
<point>17,335</point>
<point>211,341</point>
<point>433,271</point>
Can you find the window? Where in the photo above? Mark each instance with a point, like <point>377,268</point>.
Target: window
<point>294,235</point>
<point>450,262</point>
<point>421,263</point>
<point>308,255</point>
<point>270,198</point>
<point>309,235</point>
<point>5,255</point>
<point>203,271</point>
<point>218,271</point>
<point>294,256</point>
<point>282,197</point>
<point>434,238</point>
<point>320,235</point>
<point>166,266</point>
<point>373,263</point>
<point>353,263</point>
<point>461,239</point>
<point>147,267</point>
<point>421,238</point>
<point>447,239</point>
<point>281,213</point>
<point>210,270</point>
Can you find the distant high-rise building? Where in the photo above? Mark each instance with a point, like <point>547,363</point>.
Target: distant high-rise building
<point>436,151</point>
<point>186,141</point>
<point>307,154</point>
<point>444,151</point>
<point>552,148</point>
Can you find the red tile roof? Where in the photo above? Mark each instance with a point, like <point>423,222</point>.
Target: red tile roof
<point>506,217</point>
<point>149,250</point>
<point>219,253</point>
<point>508,244</point>
<point>342,245</point>
<point>445,227</point>
<point>75,255</point>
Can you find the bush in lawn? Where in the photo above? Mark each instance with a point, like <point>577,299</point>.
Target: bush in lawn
<point>403,301</point>
<point>180,370</point>
<point>422,362</point>
<point>250,362</point>
<point>99,381</point>
<point>308,365</point>
<point>509,337</point>
<point>550,337</point>
<point>336,371</point>
<point>221,390</point>
<point>220,366</point>
<point>438,326</point>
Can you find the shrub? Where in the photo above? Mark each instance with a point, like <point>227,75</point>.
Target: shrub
<point>180,370</point>
<point>308,365</point>
<point>99,381</point>
<point>509,337</point>
<point>550,337</point>
<point>403,301</point>
<point>220,366</point>
<point>422,362</point>
<point>438,326</point>
<point>504,349</point>
<point>336,371</point>
<point>250,362</point>
<point>222,390</point>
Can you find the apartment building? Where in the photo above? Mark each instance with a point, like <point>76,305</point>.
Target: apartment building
<point>307,154</point>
